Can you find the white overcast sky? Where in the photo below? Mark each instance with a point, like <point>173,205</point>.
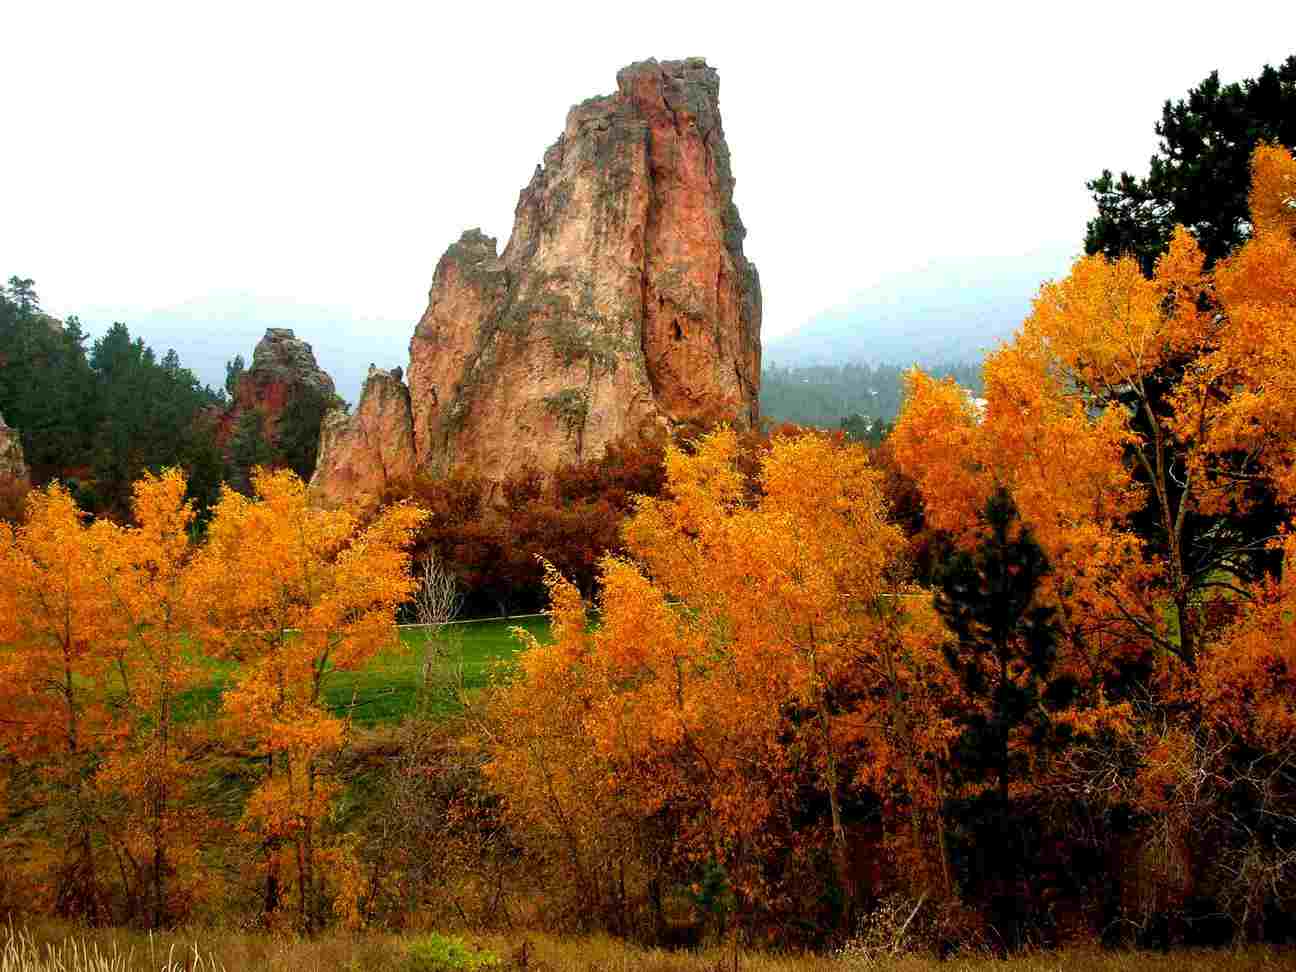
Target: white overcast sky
<point>155,153</point>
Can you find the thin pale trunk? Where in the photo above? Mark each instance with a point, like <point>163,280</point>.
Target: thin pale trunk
<point>128,885</point>
<point>1172,522</point>
<point>271,845</point>
<point>302,868</point>
<point>306,855</point>
<point>271,902</point>
<point>70,699</point>
<point>940,830</point>
<point>901,722</point>
<point>830,758</point>
<point>160,808</point>
<point>83,868</point>
<point>590,886</point>
<point>841,857</point>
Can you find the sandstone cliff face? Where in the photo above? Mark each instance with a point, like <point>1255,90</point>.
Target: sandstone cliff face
<point>13,465</point>
<point>360,454</point>
<point>622,303</point>
<point>283,368</point>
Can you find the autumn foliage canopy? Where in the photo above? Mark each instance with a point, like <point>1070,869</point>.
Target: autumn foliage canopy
<point>762,704</point>
<point>105,630</point>
<point>1029,667</point>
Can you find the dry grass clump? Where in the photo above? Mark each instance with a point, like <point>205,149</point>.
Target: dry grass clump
<point>23,952</point>
<point>60,948</point>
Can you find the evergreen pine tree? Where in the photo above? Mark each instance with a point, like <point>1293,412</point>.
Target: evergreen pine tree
<point>1005,642</point>
<point>1201,173</point>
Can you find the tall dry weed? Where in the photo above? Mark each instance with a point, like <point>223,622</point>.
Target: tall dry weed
<point>74,953</point>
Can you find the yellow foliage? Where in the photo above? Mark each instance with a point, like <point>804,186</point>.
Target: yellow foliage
<point>731,612</point>
<point>939,419</point>
<point>1241,395</point>
<point>102,629</point>
<point>1273,191</point>
<point>296,592</point>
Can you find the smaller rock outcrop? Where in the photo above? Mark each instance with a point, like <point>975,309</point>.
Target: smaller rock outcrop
<point>14,473</point>
<point>361,454</point>
<point>283,369</point>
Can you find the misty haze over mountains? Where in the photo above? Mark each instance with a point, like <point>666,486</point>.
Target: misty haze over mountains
<point>946,313</point>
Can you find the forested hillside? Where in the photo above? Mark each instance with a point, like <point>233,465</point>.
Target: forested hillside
<point>210,330</point>
<point>825,395</point>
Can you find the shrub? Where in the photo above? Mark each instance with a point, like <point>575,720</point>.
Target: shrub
<point>900,925</point>
<point>444,953</point>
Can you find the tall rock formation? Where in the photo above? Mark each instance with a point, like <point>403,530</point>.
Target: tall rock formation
<point>621,304</point>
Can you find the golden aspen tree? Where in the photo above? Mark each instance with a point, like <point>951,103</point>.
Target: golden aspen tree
<point>1080,388</point>
<point>940,419</point>
<point>1144,427</point>
<point>295,593</point>
<point>1249,384</point>
<point>144,570</point>
<point>1065,470</point>
<point>753,646</point>
<point>54,622</point>
<point>561,792</point>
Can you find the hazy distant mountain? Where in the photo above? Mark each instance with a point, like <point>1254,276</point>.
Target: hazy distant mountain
<point>208,331</point>
<point>942,313</point>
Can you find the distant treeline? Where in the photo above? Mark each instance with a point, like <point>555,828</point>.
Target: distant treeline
<point>825,395</point>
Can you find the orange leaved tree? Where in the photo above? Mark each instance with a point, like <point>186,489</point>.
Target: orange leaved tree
<point>150,596</point>
<point>295,593</point>
<point>1144,428</point>
<point>752,652</point>
<point>54,624</point>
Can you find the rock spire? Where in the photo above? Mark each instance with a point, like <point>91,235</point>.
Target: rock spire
<point>622,303</point>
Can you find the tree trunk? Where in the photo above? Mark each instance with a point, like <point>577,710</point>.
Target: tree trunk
<point>840,852</point>
<point>940,831</point>
<point>1003,754</point>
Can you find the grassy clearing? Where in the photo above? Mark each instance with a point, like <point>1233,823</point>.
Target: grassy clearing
<point>54,947</point>
<point>388,688</point>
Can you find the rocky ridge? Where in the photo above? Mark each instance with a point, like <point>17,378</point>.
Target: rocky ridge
<point>622,304</point>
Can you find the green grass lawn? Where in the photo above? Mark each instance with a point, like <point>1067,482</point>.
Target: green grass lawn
<point>389,687</point>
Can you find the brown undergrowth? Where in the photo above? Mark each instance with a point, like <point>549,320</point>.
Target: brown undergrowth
<point>54,947</point>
